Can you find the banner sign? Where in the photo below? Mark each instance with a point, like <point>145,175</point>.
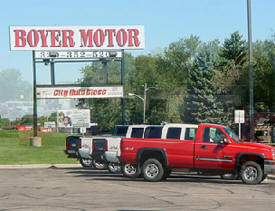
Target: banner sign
<point>48,38</point>
<point>73,118</point>
<point>79,92</point>
<point>77,54</point>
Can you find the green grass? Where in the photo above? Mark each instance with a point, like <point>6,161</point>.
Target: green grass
<point>15,148</point>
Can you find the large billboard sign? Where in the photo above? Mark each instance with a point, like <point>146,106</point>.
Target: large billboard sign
<point>79,92</point>
<point>73,118</point>
<point>49,38</point>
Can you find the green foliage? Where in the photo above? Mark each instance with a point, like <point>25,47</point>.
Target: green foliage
<point>12,87</point>
<point>193,81</point>
<point>201,103</point>
<point>264,74</point>
<point>5,122</point>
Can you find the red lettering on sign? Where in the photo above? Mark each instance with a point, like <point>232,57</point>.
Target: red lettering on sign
<point>121,37</point>
<point>85,37</point>
<point>55,34</point>
<point>43,37</point>
<point>99,37</point>
<point>110,33</point>
<point>104,92</point>
<point>133,35</point>
<point>68,35</point>
<point>20,40</point>
<point>33,38</point>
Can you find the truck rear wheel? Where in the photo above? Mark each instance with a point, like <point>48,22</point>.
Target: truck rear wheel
<point>114,168</point>
<point>130,170</point>
<point>99,165</point>
<point>251,173</point>
<point>152,170</point>
<point>86,163</point>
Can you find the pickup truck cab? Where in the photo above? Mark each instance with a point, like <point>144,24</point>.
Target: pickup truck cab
<point>214,149</point>
<point>160,133</point>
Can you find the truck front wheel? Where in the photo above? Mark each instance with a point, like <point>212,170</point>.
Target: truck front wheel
<point>152,170</point>
<point>251,173</point>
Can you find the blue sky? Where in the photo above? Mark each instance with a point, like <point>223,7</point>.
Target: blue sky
<point>165,21</point>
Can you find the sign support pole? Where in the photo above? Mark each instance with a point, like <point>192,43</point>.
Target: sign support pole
<point>34,96</point>
<point>52,72</point>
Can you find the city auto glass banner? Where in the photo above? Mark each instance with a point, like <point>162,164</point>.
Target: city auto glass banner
<point>79,92</point>
<point>76,37</point>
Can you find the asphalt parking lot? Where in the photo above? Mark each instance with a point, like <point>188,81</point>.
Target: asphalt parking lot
<point>88,189</point>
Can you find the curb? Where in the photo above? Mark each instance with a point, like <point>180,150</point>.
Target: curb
<point>36,166</point>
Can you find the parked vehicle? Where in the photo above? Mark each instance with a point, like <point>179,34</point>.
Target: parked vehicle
<point>112,154</point>
<point>170,130</point>
<point>72,145</point>
<point>92,147</point>
<point>214,149</point>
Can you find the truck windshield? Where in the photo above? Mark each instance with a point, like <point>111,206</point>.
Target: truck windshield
<point>232,135</point>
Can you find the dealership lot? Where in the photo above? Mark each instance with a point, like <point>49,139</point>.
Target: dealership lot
<point>87,189</point>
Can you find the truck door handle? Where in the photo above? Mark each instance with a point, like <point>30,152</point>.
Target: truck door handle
<point>204,147</point>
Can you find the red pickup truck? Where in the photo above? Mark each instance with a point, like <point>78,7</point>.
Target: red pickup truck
<point>215,149</point>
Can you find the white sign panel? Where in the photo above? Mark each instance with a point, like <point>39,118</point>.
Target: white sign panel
<point>239,116</point>
<point>79,92</point>
<point>49,125</point>
<point>48,38</point>
<point>73,118</point>
<point>77,54</point>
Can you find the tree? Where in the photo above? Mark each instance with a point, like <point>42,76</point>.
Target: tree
<point>230,74</point>
<point>172,68</point>
<point>12,87</point>
<point>201,103</point>
<point>264,75</point>
<point>105,112</point>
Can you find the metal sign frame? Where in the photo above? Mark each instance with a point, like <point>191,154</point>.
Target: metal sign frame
<point>77,56</point>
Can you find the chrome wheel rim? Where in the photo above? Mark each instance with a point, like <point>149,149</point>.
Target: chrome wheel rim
<point>130,169</point>
<point>250,173</point>
<point>114,168</point>
<point>152,170</point>
<point>87,162</point>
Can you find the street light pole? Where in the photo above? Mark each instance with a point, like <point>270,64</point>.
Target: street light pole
<point>146,88</point>
<point>144,102</point>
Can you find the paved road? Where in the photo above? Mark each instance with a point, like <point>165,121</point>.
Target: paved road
<point>84,189</point>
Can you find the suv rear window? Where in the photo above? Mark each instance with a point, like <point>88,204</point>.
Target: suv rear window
<point>153,132</point>
<point>174,133</point>
<point>120,130</point>
<point>137,132</point>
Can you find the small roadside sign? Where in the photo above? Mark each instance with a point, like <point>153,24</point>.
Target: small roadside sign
<point>239,116</point>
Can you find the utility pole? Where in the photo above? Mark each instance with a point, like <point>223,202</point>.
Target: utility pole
<point>251,80</point>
